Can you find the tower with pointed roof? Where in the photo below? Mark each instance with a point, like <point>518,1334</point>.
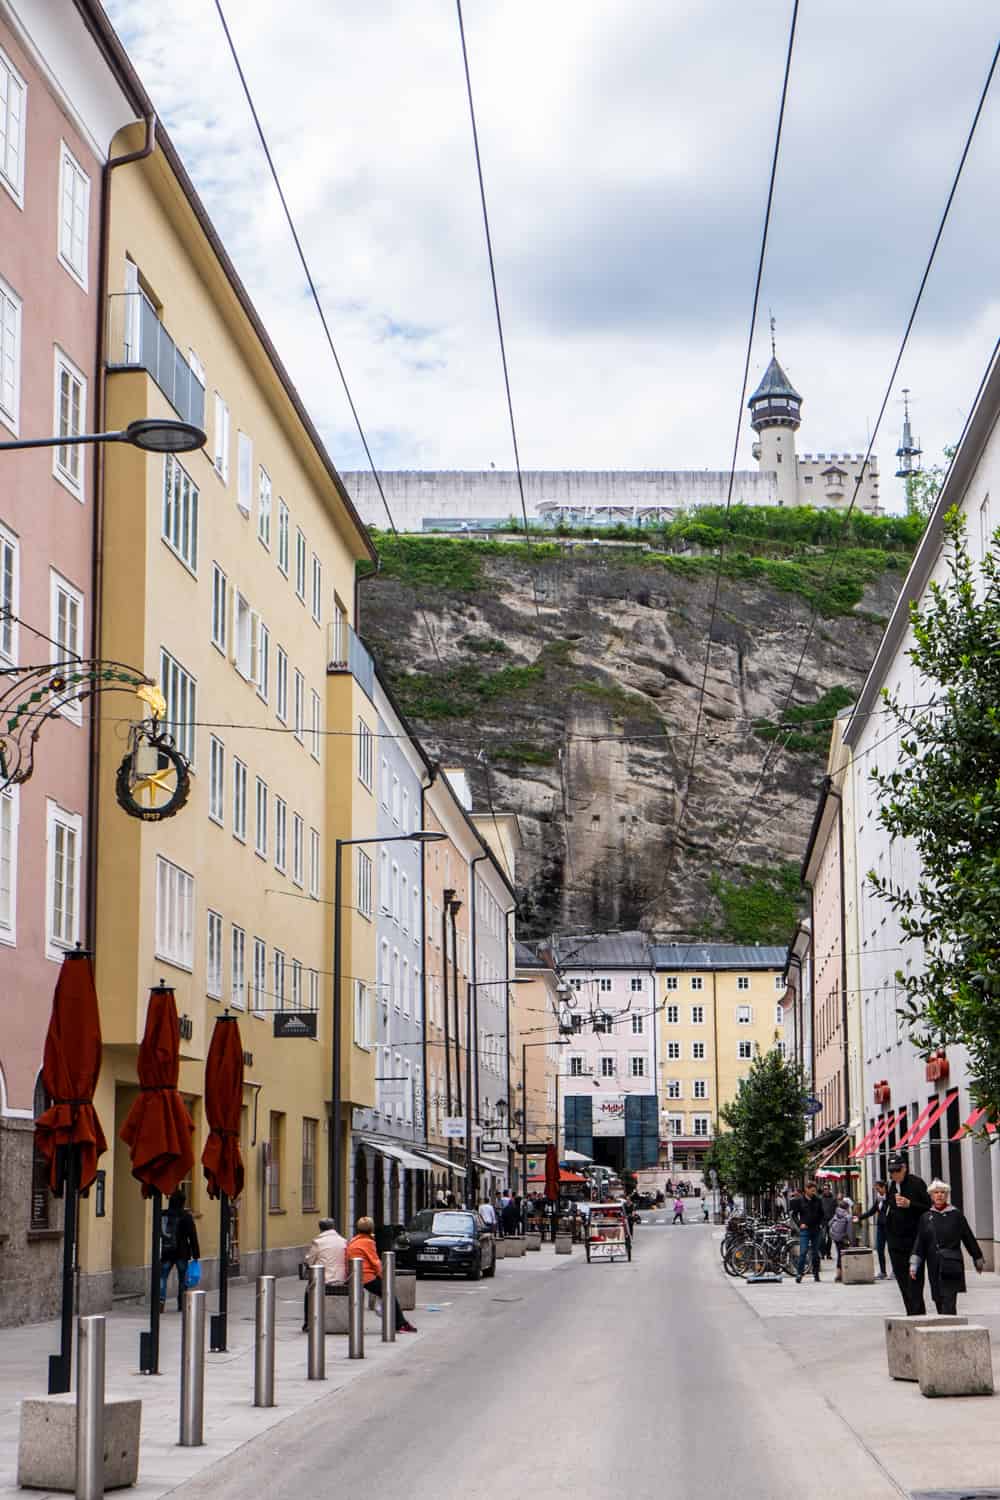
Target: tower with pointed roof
<point>775,415</point>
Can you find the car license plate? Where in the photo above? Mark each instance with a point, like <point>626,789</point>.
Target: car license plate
<point>429,1255</point>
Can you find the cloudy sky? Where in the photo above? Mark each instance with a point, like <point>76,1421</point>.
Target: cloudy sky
<point>626,146</point>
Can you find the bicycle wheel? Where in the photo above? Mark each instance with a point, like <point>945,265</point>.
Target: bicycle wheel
<point>744,1260</point>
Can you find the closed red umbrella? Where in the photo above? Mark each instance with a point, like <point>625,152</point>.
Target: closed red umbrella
<point>70,1069</point>
<point>551,1174</point>
<point>159,1129</point>
<point>222,1158</point>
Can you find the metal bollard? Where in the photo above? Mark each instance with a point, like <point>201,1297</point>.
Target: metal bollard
<point>389,1297</point>
<point>90,1408</point>
<point>317,1323</point>
<point>192,1434</point>
<point>356,1311</point>
<point>263,1354</point>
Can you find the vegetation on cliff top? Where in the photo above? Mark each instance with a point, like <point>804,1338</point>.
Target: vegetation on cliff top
<point>762,906</point>
<point>816,720</point>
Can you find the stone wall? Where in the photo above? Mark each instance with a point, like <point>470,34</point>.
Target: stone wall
<point>30,1260</point>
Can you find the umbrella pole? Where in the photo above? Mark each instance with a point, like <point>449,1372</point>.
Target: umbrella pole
<point>220,1321</point>
<point>60,1365</point>
<point>149,1341</point>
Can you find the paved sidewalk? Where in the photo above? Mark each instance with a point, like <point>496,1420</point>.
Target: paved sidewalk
<point>230,1417</point>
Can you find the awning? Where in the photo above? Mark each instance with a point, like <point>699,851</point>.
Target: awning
<point>442,1161</point>
<point>821,1157</point>
<point>396,1153</point>
<point>498,1164</point>
<point>576,1156</point>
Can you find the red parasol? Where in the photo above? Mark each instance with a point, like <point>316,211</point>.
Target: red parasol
<point>551,1174</point>
<point>221,1158</point>
<point>70,1070</point>
<point>158,1130</point>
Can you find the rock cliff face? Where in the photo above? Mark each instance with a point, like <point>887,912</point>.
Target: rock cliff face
<point>565,681</point>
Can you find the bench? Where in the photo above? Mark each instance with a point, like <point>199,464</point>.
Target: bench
<point>953,1361</point>
<point>899,1342</point>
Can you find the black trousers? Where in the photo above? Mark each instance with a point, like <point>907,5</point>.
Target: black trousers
<point>946,1297</point>
<point>912,1292</point>
<point>375,1288</point>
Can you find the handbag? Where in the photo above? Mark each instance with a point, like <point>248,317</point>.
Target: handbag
<point>193,1277</point>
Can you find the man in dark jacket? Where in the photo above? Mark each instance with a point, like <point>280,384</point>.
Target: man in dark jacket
<point>807,1212</point>
<point>877,1211</point>
<point>828,1202</point>
<point>906,1202</point>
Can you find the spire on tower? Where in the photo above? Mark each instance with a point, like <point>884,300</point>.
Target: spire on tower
<point>775,402</point>
<point>908,453</point>
<point>772,337</point>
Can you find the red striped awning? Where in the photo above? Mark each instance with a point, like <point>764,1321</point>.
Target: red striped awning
<point>927,1118</point>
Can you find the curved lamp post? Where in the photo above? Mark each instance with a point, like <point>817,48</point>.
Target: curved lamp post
<point>151,434</point>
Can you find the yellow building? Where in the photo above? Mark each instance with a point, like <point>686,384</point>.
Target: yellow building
<point>227,576</point>
<point>535,1049</point>
<point>719,1004</point>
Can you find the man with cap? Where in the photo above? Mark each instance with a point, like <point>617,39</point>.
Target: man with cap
<point>906,1202</point>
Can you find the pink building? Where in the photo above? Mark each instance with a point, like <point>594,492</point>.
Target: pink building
<point>60,105</point>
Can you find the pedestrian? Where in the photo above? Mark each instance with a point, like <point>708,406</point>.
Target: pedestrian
<point>449,1199</point>
<point>943,1231</point>
<point>509,1214</point>
<point>329,1250</point>
<point>488,1215</point>
<point>829,1205</point>
<point>906,1203</point>
<point>178,1246</point>
<point>439,1199</point>
<point>678,1210</point>
<point>704,1208</point>
<point>807,1212</point>
<point>840,1232</point>
<point>362,1247</point>
<point>877,1211</point>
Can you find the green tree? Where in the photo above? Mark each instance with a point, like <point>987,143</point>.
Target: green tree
<point>766,1145</point>
<point>720,1158</point>
<point>923,487</point>
<point>944,795</point>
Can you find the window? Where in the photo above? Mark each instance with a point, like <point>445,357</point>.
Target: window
<point>264,507</point>
<point>602,1023</point>
<point>364,893</point>
<point>394,897</point>
<point>405,819</point>
<point>317,589</point>
<point>700,1124</point>
<point>384,888</point>
<point>673,1088</point>
<point>744,1015</point>
<point>300,565</point>
<point>700,1088</point>
<point>362,1016</point>
<point>216,779</point>
<point>315,728</point>
<point>313,990</point>
<point>576,1067</point>
<point>278,993</point>
<point>239,800</point>
<point>697,983</point>
<point>295,998</point>
<point>174,914</point>
<point>675,1125</point>
<point>385,782</point>
<point>743,982</point>
<point>260,834</point>
<point>10,335</point>
<point>406,987</point>
<point>605,986</point>
<point>239,968</point>
<point>9,592</point>
<point>13,109</point>
<point>637,1025</point>
<point>244,472</point>
<point>607,1067</point>
<point>673,1015</point>
<point>66,629</point>
<point>213,956</point>
<point>779,1015</point>
<point>697,1015</point>
<point>395,800</point>
<point>283,537</point>
<point>744,1051</point>
<point>220,453</point>
<point>74,215</point>
<point>263,678</point>
<point>698,1051</point>
<point>257,995</point>
<point>636,985</point>
<point>637,1067</point>
<point>404,903</point>
<point>276,1144</point>
<point>310,1131</point>
<point>9,809</point>
<point>219,608</point>
<point>298,830</point>
<point>298,704</point>
<point>366,754</point>
<point>673,1051</point>
<point>180,512</point>
<point>180,691</point>
<point>313,862</point>
<point>281,684</point>
<point>779,983</point>
<point>671,981</point>
<point>280,834</point>
<point>70,421</point>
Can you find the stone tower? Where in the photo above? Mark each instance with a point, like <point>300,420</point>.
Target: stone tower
<point>775,414</point>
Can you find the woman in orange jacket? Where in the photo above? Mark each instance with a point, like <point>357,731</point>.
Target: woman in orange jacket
<point>362,1247</point>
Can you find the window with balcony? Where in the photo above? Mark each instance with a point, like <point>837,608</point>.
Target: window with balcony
<point>295,993</point>
<point>137,338</point>
<point>315,731</point>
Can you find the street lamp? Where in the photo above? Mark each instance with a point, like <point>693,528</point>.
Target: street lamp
<point>470,985</point>
<point>420,836</point>
<point>151,434</point>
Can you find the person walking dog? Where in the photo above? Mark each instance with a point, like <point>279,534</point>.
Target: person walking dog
<point>943,1231</point>
<point>906,1203</point>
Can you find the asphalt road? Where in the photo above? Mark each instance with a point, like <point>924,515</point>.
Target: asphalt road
<point>597,1382</point>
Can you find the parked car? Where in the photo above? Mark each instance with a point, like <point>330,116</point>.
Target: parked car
<point>447,1240</point>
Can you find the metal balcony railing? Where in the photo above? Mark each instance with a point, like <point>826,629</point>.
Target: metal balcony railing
<point>138,340</point>
<point>347,652</point>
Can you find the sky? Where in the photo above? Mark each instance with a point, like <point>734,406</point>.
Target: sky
<point>626,147</point>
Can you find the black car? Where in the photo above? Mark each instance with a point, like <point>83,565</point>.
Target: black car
<point>450,1240</point>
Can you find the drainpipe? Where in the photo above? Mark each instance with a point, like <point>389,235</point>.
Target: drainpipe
<point>424,789</point>
<point>445,908</point>
<point>454,906</point>
<point>843,951</point>
<point>97,560</point>
<point>474,966</point>
<point>506,970</point>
